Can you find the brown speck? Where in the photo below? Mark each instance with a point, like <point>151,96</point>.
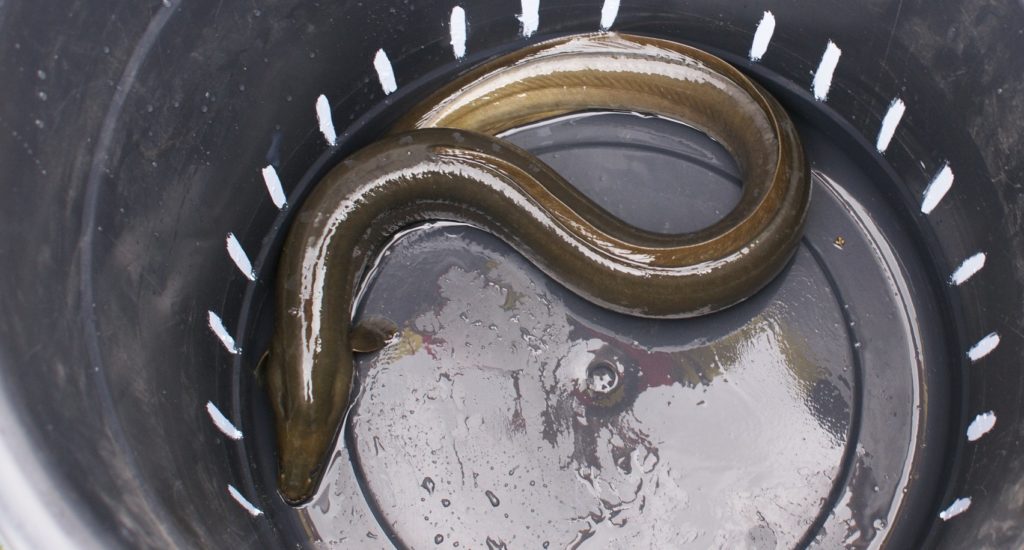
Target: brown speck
<point>839,242</point>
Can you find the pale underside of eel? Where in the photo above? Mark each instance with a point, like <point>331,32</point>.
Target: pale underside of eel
<point>457,171</point>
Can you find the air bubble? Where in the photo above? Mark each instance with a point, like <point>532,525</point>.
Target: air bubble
<point>496,544</point>
<point>602,378</point>
<point>428,484</point>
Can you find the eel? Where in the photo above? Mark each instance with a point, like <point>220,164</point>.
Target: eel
<point>443,161</point>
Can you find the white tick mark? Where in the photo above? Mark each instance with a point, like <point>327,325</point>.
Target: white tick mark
<point>889,124</point>
<point>982,424</point>
<point>323,115</point>
<point>823,76</point>
<point>457,26</point>
<point>384,71</point>
<point>240,258</point>
<point>222,422</point>
<point>274,187</point>
<point>762,36</point>
<point>244,502</point>
<point>217,326</point>
<point>609,11</point>
<point>958,507</point>
<point>983,347</point>
<point>530,18</point>
<point>967,269</point>
<point>937,189</point>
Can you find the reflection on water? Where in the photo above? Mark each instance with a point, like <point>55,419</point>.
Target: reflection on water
<point>478,426</point>
<point>510,413</point>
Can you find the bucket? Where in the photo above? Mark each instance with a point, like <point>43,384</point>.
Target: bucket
<point>155,155</point>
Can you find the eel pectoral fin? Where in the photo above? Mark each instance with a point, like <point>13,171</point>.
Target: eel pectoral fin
<point>372,334</point>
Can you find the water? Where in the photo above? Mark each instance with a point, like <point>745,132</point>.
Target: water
<point>510,413</point>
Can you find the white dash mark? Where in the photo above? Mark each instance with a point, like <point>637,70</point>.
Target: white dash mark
<point>958,507</point>
<point>217,326</point>
<point>222,422</point>
<point>323,115</point>
<point>240,258</point>
<point>609,11</point>
<point>762,36</point>
<point>274,187</point>
<point>823,76</point>
<point>530,18</point>
<point>967,269</point>
<point>457,26</point>
<point>249,507</point>
<point>983,347</point>
<point>384,71</point>
<point>937,189</point>
<point>889,123</point>
<point>981,425</point>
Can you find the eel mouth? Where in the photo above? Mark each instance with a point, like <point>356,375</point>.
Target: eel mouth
<point>301,466</point>
<point>298,482</point>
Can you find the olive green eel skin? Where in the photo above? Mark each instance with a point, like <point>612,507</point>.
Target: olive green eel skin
<point>418,174</point>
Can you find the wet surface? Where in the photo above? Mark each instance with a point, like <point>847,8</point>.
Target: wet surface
<point>512,413</point>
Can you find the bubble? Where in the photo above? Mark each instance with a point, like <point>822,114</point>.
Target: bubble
<point>493,544</point>
<point>438,538</point>
<point>428,484</point>
<point>492,498</point>
<point>602,377</point>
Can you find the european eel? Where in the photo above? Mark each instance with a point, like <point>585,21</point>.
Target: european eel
<point>442,162</point>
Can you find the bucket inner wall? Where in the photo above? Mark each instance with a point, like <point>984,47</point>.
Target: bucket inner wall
<point>135,139</point>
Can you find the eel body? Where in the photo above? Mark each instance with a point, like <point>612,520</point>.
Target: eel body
<point>442,162</point>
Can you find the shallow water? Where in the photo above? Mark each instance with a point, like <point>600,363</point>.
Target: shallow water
<point>777,422</point>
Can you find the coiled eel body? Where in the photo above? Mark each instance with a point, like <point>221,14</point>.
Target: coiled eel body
<point>458,171</point>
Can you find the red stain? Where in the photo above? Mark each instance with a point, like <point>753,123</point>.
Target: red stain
<point>656,368</point>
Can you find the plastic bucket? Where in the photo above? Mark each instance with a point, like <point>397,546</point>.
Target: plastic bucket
<point>148,149</point>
